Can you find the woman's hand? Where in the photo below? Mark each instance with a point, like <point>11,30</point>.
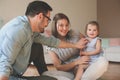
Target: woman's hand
<point>83,60</point>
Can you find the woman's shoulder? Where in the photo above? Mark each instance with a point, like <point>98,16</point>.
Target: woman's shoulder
<point>73,32</point>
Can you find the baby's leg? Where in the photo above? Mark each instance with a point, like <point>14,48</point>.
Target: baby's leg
<point>80,71</point>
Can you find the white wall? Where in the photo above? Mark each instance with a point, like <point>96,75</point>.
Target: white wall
<point>78,11</point>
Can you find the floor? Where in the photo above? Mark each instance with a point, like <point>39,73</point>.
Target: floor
<point>113,72</point>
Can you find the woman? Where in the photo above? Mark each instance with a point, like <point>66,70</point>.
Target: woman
<point>68,59</point>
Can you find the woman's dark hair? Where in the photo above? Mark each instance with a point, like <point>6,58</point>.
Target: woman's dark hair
<point>95,23</point>
<point>37,7</point>
<point>57,17</point>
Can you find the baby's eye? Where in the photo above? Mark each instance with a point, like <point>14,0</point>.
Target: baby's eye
<point>89,29</point>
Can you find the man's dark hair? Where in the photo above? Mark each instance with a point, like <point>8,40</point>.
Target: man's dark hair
<point>37,7</point>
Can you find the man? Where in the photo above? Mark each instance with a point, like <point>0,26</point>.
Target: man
<point>19,38</point>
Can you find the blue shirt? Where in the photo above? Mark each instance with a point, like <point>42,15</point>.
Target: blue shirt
<point>91,46</point>
<point>16,39</point>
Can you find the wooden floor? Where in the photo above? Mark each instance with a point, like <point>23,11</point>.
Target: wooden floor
<point>113,72</point>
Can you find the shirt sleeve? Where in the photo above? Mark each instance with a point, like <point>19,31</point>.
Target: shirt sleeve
<point>49,41</point>
<point>10,48</point>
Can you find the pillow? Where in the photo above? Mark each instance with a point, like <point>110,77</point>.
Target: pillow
<point>105,42</point>
<point>112,54</point>
<point>114,49</point>
<point>114,42</point>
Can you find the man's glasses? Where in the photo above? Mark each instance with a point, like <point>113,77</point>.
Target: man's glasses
<point>47,17</point>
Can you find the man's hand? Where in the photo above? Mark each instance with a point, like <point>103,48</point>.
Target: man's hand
<point>81,43</point>
<point>3,78</point>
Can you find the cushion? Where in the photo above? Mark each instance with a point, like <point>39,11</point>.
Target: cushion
<point>114,42</point>
<point>105,42</point>
<point>115,49</point>
<point>113,53</point>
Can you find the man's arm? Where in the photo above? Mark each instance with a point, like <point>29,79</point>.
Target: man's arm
<point>10,48</point>
<point>55,42</point>
<point>80,44</point>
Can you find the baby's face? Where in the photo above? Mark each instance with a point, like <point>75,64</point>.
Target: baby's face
<point>92,31</point>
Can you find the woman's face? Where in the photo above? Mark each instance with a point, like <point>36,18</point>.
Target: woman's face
<point>62,27</point>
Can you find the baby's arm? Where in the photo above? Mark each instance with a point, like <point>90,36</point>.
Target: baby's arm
<point>96,51</point>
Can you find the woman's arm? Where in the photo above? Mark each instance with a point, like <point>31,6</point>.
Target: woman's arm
<point>65,67</point>
<point>58,64</point>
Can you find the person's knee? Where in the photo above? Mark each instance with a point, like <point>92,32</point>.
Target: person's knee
<point>103,63</point>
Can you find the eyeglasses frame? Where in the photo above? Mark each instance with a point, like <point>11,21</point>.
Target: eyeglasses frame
<point>47,17</point>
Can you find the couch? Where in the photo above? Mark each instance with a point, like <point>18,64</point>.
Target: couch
<point>110,46</point>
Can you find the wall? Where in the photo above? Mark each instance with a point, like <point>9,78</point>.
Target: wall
<point>78,11</point>
<point>109,17</point>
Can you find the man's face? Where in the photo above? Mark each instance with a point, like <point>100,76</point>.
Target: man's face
<point>43,22</point>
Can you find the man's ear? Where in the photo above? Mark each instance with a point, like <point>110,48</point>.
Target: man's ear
<point>40,15</point>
